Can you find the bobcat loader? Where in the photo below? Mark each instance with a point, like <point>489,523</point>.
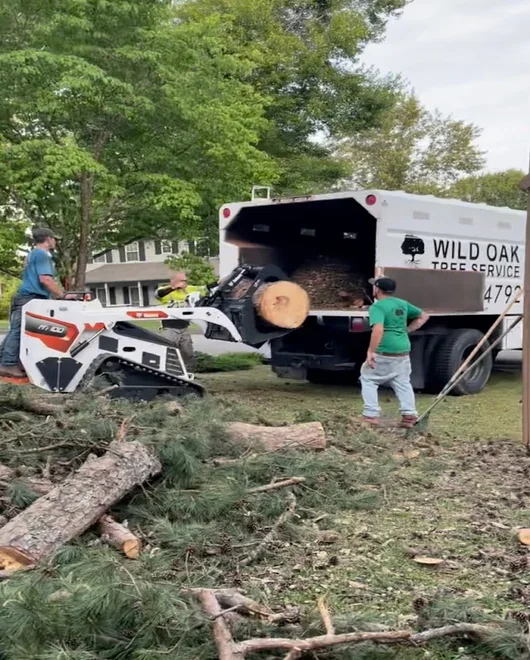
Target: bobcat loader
<point>66,344</point>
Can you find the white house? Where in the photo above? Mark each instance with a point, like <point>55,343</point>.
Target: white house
<point>131,274</point>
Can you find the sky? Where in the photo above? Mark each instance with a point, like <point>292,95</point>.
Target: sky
<point>469,59</point>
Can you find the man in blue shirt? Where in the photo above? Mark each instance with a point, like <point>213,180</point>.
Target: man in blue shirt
<point>38,282</point>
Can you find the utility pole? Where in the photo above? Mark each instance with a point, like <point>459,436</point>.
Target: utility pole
<point>525,185</point>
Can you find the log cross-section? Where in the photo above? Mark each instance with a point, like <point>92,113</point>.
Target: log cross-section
<point>76,504</point>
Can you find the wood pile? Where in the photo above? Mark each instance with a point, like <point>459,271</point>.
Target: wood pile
<point>332,283</point>
<point>66,510</point>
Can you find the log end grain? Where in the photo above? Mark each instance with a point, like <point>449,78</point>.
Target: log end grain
<point>120,537</point>
<point>12,560</point>
<point>282,304</point>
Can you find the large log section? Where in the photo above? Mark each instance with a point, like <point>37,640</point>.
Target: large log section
<point>76,504</point>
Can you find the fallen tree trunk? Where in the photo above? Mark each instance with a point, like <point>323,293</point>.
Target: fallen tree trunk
<point>309,435</point>
<point>75,505</point>
<point>282,304</point>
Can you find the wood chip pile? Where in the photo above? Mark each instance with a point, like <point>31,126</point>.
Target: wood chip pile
<point>332,284</point>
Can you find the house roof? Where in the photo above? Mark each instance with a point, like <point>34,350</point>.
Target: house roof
<point>135,271</point>
<point>131,272</point>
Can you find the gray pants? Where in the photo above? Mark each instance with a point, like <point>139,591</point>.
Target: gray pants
<point>181,338</point>
<point>391,371</point>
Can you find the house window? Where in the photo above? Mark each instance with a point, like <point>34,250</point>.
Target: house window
<point>101,259</point>
<point>132,252</point>
<point>101,295</point>
<point>167,247</point>
<point>134,296</point>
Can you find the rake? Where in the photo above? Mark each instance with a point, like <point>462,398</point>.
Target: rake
<point>462,372</point>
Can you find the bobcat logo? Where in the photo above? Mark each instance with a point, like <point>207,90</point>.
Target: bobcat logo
<point>412,246</point>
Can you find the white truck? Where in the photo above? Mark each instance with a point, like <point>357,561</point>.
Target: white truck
<point>460,262</point>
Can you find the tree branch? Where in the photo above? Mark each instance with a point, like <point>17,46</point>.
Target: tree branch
<point>228,649</point>
<point>275,485</point>
<point>288,513</point>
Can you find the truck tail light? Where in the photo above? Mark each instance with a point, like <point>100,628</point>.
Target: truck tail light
<point>358,324</point>
<point>370,200</point>
<point>227,213</point>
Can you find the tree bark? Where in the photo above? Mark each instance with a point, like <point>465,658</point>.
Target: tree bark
<point>85,203</point>
<point>309,435</point>
<point>282,304</point>
<point>76,504</point>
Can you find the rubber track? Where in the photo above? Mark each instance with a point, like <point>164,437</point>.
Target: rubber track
<point>188,387</point>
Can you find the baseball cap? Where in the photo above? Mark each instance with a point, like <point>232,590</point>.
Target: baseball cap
<point>385,284</point>
<point>40,234</point>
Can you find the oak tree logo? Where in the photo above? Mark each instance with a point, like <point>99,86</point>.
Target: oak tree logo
<point>412,246</point>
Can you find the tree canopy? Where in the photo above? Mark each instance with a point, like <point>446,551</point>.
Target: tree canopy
<point>306,63</point>
<point>118,123</point>
<point>494,188</point>
<point>414,150</point>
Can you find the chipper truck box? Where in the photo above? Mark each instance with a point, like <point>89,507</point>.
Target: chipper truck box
<point>460,262</point>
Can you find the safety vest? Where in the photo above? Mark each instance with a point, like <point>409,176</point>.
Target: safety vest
<point>180,294</point>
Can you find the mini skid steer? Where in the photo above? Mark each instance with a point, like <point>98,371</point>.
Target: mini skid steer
<point>66,344</point>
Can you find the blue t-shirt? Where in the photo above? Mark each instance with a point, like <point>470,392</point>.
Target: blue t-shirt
<point>39,263</point>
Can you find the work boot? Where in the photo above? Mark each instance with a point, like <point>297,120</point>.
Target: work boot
<point>408,421</point>
<point>12,372</point>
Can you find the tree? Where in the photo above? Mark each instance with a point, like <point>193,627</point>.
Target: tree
<point>413,150</point>
<point>8,287</point>
<point>118,123</point>
<point>198,269</point>
<point>12,239</point>
<point>306,56</point>
<point>495,188</point>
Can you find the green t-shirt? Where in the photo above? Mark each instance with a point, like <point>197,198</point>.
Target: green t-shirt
<point>395,315</point>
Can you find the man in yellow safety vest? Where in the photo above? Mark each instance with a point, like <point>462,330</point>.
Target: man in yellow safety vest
<point>175,330</point>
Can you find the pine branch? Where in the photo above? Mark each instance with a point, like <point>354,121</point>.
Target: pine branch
<point>275,485</point>
<point>286,515</point>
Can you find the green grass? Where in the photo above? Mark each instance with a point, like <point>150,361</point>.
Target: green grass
<point>4,324</point>
<point>494,413</point>
<point>457,493</point>
<point>206,363</point>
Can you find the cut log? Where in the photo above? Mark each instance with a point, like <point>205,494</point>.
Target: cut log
<point>309,435</point>
<point>76,504</point>
<point>119,537</point>
<point>282,304</point>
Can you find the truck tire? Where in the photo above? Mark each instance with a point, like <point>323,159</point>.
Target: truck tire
<point>449,355</point>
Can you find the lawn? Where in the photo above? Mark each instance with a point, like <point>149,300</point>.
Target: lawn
<point>370,506</point>
<point>494,413</point>
<point>457,493</point>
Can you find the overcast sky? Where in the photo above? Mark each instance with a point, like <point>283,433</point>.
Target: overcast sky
<point>471,59</point>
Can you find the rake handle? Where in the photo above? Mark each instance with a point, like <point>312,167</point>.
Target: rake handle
<point>515,299</point>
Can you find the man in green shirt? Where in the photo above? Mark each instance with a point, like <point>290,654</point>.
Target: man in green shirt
<point>388,357</point>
